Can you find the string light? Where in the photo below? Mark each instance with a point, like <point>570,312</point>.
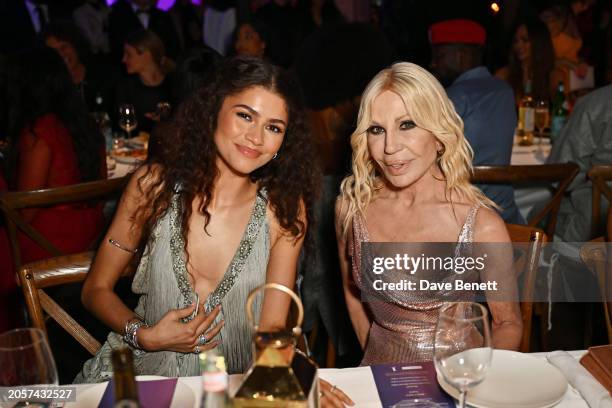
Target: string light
<point>495,7</point>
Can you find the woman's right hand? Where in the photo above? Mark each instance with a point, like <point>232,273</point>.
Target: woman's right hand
<point>171,334</point>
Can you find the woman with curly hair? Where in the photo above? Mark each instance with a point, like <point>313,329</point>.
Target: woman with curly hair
<point>410,183</point>
<point>222,209</point>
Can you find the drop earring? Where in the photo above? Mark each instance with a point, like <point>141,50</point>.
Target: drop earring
<point>275,156</point>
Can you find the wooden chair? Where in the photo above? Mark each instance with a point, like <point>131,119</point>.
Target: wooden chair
<point>12,202</point>
<point>599,176</point>
<point>37,276</point>
<point>594,255</point>
<point>546,173</point>
<point>527,265</point>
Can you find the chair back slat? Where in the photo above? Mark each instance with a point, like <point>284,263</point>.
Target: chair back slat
<point>599,176</point>
<point>527,265</point>
<point>563,174</point>
<point>12,202</point>
<point>68,323</point>
<point>54,272</point>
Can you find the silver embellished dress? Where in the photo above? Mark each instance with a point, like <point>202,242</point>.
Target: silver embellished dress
<point>162,282</point>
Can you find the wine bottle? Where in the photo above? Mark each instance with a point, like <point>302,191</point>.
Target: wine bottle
<point>126,390</point>
<point>214,381</point>
<point>560,110</point>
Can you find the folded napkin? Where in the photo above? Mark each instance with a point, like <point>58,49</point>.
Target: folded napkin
<point>595,395</point>
<point>151,394</point>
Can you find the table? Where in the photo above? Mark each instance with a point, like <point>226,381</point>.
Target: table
<point>526,197</point>
<point>357,382</point>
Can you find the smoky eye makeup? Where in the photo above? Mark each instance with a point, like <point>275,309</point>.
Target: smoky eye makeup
<point>375,130</point>
<point>407,125</point>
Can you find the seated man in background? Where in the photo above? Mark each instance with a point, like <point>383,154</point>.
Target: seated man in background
<point>485,103</point>
<point>585,140</point>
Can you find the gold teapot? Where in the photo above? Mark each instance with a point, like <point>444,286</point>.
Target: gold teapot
<point>281,375</point>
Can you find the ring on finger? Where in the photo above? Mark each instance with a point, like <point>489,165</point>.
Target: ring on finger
<point>197,349</point>
<point>333,388</point>
<point>202,340</point>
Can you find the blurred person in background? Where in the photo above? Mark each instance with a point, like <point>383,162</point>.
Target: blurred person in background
<point>566,41</point>
<point>485,103</point>
<point>53,144</point>
<point>21,21</point>
<point>187,18</point>
<point>586,140</point>
<point>252,39</point>
<point>149,79</point>
<point>92,18</point>
<point>94,79</point>
<point>129,16</point>
<point>219,23</point>
<point>193,71</point>
<point>532,58</point>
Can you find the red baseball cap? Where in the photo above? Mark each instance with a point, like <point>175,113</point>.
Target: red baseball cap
<point>457,32</point>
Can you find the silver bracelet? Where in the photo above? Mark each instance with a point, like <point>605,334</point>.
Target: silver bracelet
<point>118,245</point>
<point>131,329</point>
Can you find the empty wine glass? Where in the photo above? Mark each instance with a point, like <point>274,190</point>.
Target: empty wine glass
<point>163,110</point>
<point>462,345</point>
<point>127,118</point>
<point>26,359</point>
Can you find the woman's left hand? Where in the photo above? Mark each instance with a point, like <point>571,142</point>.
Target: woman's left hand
<point>332,396</point>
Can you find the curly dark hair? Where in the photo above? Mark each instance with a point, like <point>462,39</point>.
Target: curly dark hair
<point>187,152</point>
<point>38,83</point>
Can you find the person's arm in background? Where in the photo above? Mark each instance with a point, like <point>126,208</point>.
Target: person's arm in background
<point>577,142</point>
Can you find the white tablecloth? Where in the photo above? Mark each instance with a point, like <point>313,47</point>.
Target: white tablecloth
<point>357,382</point>
<point>526,197</point>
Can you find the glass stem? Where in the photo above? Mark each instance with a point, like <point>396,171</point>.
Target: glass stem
<point>462,399</point>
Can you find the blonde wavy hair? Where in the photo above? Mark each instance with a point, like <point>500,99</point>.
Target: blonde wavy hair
<point>430,109</point>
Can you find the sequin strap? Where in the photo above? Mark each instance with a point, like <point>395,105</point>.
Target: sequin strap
<point>244,249</point>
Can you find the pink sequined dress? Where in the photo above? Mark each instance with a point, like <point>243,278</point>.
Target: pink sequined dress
<point>403,325</point>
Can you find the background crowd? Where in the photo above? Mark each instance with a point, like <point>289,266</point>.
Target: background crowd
<point>60,60</point>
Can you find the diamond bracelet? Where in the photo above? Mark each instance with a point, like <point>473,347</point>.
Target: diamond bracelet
<point>131,328</point>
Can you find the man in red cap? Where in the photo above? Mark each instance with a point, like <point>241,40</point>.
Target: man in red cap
<point>485,103</point>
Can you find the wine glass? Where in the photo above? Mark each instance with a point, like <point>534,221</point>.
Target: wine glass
<point>163,110</point>
<point>127,118</point>
<point>542,117</point>
<point>462,345</point>
<point>26,360</point>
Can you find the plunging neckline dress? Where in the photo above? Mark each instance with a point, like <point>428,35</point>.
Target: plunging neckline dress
<point>162,281</point>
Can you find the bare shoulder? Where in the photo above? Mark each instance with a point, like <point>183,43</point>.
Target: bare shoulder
<point>277,231</point>
<point>490,227</point>
<point>146,178</point>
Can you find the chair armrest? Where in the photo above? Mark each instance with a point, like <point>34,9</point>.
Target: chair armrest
<point>58,270</point>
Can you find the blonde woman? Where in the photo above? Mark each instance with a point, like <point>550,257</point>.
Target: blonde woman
<point>410,183</point>
<point>149,79</point>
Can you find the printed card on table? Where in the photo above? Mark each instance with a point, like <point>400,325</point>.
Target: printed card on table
<point>401,384</point>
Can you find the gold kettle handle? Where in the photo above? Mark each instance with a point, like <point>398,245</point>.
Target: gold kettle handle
<point>297,330</point>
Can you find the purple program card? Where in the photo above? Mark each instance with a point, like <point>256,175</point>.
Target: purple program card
<point>397,383</point>
<point>152,394</point>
